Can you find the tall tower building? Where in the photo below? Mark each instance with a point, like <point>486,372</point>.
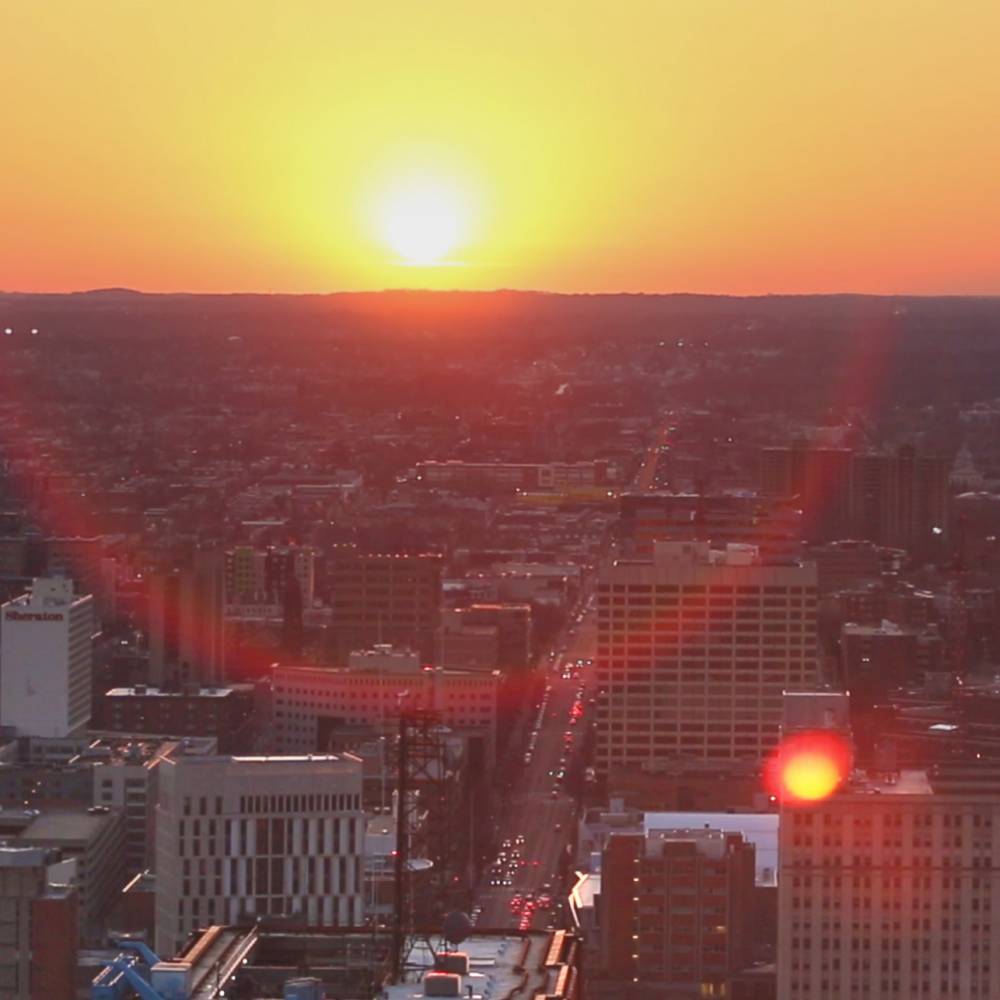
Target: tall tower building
<point>891,890</point>
<point>694,649</point>
<point>900,498</point>
<point>187,623</point>
<point>46,660</point>
<point>245,837</point>
<point>819,477</point>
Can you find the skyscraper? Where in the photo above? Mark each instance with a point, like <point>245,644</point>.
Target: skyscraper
<point>46,660</point>
<point>187,623</point>
<point>694,650</point>
<point>819,477</point>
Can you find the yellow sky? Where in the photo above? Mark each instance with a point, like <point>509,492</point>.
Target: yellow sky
<point>692,145</point>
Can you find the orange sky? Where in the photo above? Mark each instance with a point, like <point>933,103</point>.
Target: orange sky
<point>743,146</point>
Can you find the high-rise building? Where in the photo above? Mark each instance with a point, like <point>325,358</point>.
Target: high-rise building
<point>694,649</point>
<point>385,599</point>
<point>46,660</point>
<point>819,477</point>
<point>889,889</point>
<point>676,909</point>
<point>892,498</point>
<point>245,837</point>
<point>900,498</point>
<point>187,623</point>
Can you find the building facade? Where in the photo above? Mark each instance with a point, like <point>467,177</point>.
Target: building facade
<point>39,926</point>
<point>245,837</point>
<point>187,623</point>
<point>223,713</point>
<point>311,701</point>
<point>890,890</point>
<point>676,908</point>
<point>385,599</point>
<point>46,660</point>
<point>694,649</point>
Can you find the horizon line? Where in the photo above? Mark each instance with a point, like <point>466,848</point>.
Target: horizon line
<point>391,290</point>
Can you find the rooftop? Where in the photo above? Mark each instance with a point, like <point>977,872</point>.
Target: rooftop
<point>498,966</point>
<point>65,826</point>
<point>900,783</point>
<point>760,829</point>
<point>145,691</point>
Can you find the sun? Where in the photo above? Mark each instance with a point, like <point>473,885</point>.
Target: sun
<point>422,220</point>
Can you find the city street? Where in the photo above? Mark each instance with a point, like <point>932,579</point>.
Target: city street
<point>545,820</point>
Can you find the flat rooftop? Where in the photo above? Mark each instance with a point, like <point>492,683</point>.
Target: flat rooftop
<point>760,829</point>
<point>64,827</point>
<point>901,783</point>
<point>498,965</point>
<point>155,692</point>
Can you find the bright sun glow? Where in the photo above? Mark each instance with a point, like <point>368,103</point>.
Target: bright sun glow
<point>810,776</point>
<point>422,220</point>
<point>808,766</point>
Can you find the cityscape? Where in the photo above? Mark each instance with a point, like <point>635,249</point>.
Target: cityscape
<point>373,627</point>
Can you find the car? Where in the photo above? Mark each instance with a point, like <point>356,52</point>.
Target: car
<point>519,839</point>
<point>558,828</point>
<point>554,793</point>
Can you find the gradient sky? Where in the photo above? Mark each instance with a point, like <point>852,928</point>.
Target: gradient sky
<point>742,146</point>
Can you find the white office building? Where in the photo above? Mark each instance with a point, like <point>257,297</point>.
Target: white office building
<point>245,837</point>
<point>46,660</point>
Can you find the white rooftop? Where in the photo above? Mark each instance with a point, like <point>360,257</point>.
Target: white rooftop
<point>761,829</point>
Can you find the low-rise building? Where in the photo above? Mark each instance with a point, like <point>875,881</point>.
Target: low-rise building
<point>310,703</point>
<point>224,713</point>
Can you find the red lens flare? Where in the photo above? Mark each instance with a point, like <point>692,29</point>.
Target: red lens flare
<point>808,767</point>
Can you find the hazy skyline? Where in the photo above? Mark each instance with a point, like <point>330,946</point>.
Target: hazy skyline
<point>674,146</point>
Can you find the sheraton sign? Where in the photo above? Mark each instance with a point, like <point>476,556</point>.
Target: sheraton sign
<point>33,616</point>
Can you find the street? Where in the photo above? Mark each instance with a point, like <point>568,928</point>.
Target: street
<point>538,808</point>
